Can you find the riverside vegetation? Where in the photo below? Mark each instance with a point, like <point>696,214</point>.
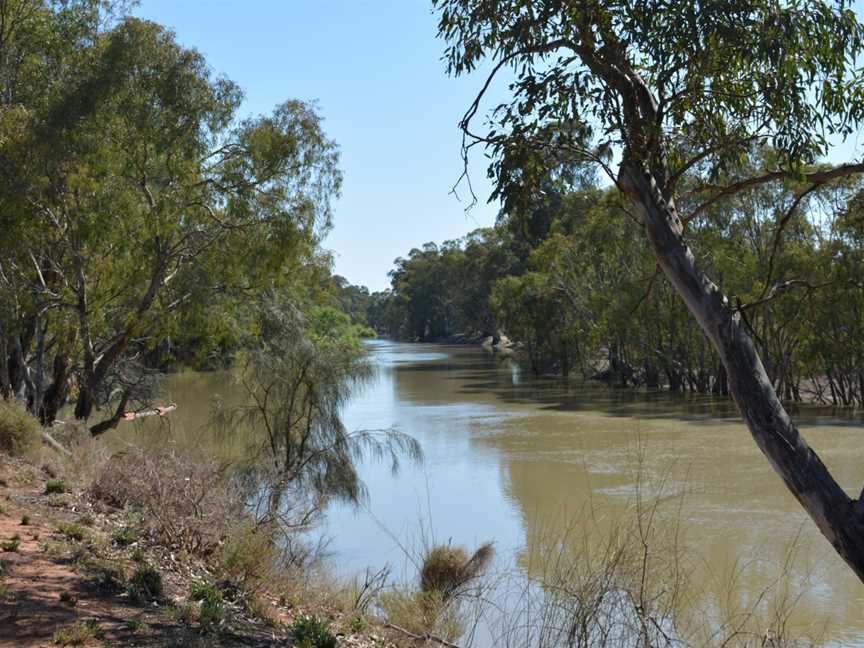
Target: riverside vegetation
<point>145,226</point>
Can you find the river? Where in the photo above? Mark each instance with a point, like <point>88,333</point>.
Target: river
<point>516,460</point>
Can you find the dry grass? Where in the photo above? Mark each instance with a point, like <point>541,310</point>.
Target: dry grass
<point>449,571</point>
<point>423,613</point>
<point>190,505</point>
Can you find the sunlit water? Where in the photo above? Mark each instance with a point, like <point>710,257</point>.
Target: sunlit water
<point>514,460</point>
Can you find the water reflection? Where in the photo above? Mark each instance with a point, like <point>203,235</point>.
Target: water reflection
<point>515,459</point>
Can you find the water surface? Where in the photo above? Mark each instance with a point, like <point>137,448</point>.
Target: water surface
<point>516,460</point>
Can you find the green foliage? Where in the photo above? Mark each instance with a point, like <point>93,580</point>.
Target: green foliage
<point>439,291</point>
<point>311,632</point>
<point>11,544</point>
<point>145,585</point>
<point>20,433</point>
<point>125,536</point>
<point>71,531</point>
<point>211,611</point>
<point>249,557</point>
<point>299,373</point>
<point>185,212</point>
<point>55,487</point>
<point>134,625</point>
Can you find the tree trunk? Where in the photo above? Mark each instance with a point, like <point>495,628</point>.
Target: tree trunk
<point>839,518</point>
<point>55,395</point>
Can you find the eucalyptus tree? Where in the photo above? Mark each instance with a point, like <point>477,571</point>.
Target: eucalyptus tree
<point>131,190</point>
<point>681,90</point>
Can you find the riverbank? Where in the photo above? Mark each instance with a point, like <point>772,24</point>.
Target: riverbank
<point>77,571</point>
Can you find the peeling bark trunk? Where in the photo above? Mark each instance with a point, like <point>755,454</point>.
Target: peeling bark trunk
<point>839,517</point>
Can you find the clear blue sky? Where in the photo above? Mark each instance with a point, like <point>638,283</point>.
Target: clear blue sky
<point>374,69</point>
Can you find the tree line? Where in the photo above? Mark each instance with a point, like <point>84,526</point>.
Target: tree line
<point>567,276</point>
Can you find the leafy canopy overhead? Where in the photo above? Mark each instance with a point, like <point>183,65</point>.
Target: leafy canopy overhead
<point>693,84</point>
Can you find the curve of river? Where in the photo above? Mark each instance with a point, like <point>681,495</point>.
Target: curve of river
<point>515,460</point>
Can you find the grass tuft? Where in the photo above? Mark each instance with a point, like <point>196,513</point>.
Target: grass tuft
<point>12,543</point>
<point>55,487</point>
<point>79,634</point>
<point>311,632</point>
<point>145,585</point>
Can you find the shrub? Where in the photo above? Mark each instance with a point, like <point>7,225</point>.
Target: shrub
<point>249,557</point>
<point>423,613</point>
<point>145,585</point>
<point>25,520</point>
<point>108,575</point>
<point>20,433</point>
<point>191,505</point>
<point>311,632</point>
<point>448,570</point>
<point>55,487</point>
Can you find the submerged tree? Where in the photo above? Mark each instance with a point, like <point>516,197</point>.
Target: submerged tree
<point>683,90</point>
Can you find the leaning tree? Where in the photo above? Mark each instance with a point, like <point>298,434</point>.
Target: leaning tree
<point>668,97</point>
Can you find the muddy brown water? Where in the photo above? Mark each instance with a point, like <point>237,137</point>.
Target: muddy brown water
<point>516,460</point>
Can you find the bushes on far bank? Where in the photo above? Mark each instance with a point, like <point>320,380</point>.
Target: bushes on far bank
<point>20,433</point>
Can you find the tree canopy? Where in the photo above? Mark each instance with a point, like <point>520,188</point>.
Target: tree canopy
<point>680,101</point>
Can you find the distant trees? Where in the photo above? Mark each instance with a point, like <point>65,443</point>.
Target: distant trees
<point>684,91</point>
<point>586,296</point>
<point>135,207</point>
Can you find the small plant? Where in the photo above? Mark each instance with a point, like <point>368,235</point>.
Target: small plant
<point>87,520</point>
<point>135,625</point>
<point>25,520</point>
<point>12,543</point>
<point>312,633</point>
<point>138,554</point>
<point>357,624</point>
<point>108,576</point>
<point>2,510</point>
<point>78,634</point>
<point>211,611</point>
<point>145,585</point>
<point>4,593</point>
<point>55,487</point>
<point>4,565</point>
<point>68,599</point>
<point>71,531</point>
<point>126,536</point>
